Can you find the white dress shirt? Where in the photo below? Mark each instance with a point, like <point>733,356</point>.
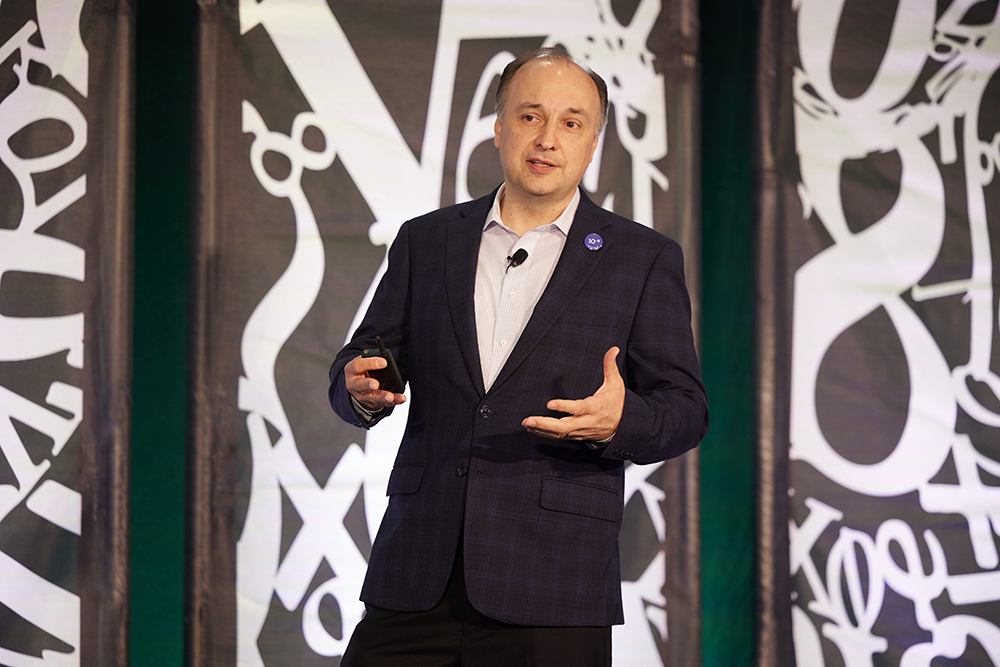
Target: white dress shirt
<point>506,297</point>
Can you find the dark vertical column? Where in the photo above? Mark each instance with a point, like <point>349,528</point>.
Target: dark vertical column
<point>104,456</point>
<point>164,80</point>
<point>774,646</point>
<point>728,43</point>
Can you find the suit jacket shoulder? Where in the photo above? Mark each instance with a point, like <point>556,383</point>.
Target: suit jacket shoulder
<point>476,209</point>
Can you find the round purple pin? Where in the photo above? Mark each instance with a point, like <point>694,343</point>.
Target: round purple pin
<point>593,241</point>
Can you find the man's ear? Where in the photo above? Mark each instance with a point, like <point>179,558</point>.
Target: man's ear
<point>496,132</point>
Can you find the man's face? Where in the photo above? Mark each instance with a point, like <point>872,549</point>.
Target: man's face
<point>549,130</point>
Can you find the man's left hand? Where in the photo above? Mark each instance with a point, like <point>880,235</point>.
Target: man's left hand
<point>594,418</point>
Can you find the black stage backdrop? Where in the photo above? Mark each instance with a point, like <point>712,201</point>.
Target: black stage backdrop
<point>323,125</point>
<point>65,330</point>
<point>878,357</point>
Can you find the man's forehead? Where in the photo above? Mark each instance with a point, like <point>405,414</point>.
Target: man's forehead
<point>549,66</point>
<point>552,67</point>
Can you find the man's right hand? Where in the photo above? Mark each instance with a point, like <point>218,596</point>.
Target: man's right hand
<point>365,389</point>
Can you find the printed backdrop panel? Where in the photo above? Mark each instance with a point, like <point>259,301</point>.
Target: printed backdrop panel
<point>882,236</point>
<point>324,126</point>
<point>65,338</point>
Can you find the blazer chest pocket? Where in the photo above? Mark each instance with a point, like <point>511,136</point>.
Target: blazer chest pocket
<point>562,495</point>
<point>405,478</point>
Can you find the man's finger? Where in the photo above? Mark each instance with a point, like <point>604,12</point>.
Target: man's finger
<point>390,398</point>
<point>361,365</point>
<point>610,366</point>
<point>565,406</point>
<point>380,399</point>
<point>548,426</point>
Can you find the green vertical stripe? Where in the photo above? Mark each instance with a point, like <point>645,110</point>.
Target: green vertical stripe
<point>728,31</point>
<point>164,85</point>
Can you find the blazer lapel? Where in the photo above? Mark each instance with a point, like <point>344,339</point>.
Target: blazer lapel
<point>575,265</point>
<point>463,237</point>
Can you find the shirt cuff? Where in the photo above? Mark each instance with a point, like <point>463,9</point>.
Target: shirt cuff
<point>366,414</point>
<point>596,444</point>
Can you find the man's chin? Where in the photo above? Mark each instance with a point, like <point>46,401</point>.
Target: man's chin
<point>541,187</point>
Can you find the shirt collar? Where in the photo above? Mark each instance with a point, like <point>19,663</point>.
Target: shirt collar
<point>563,222</point>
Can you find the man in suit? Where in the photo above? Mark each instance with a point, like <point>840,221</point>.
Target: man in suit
<point>533,378</point>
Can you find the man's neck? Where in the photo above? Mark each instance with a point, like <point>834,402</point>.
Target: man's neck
<point>521,216</point>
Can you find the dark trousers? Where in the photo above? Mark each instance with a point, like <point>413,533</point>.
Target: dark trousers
<point>454,634</point>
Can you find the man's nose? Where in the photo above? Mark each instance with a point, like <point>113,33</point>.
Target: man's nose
<point>546,139</point>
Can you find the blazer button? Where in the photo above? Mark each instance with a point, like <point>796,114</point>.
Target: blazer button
<point>461,471</point>
<point>485,412</point>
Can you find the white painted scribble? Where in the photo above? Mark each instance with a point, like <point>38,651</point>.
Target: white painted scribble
<point>36,600</point>
<point>874,268</point>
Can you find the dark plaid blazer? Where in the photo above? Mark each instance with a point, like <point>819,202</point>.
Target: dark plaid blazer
<point>541,517</point>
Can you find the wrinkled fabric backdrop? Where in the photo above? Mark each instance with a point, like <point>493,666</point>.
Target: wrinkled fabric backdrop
<point>65,330</point>
<point>879,393</point>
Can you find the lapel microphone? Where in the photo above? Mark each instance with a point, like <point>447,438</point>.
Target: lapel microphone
<point>516,259</point>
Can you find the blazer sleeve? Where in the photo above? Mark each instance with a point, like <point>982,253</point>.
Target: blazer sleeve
<point>666,407</point>
<point>387,316</point>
